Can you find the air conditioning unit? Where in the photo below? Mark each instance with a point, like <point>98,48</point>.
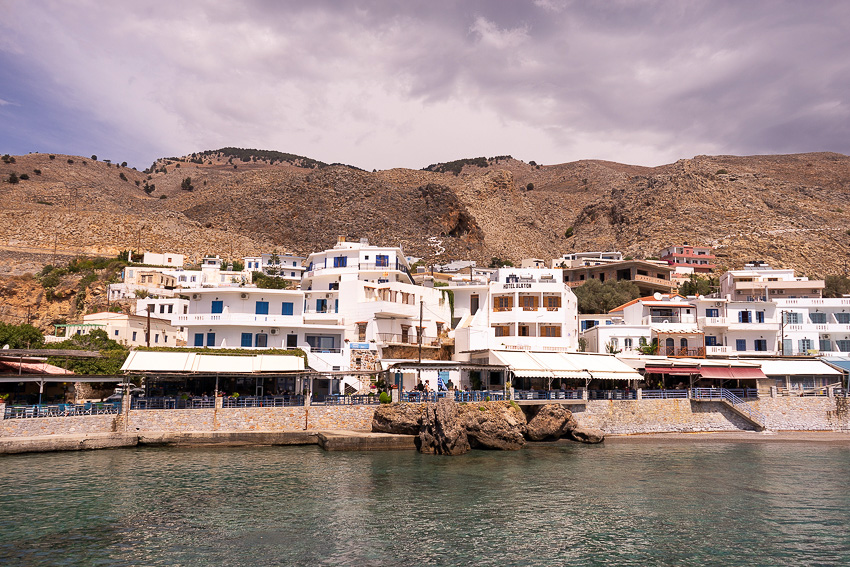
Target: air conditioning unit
<point>328,295</point>
<point>274,331</point>
<point>665,321</point>
<point>196,296</point>
<point>718,304</point>
<point>243,295</point>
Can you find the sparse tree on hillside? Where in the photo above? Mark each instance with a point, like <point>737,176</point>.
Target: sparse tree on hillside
<point>187,184</point>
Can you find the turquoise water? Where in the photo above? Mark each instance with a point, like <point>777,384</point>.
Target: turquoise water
<point>614,504</point>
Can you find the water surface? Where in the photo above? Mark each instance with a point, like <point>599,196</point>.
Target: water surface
<point>614,504</point>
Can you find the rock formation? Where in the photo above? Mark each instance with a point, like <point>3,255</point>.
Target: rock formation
<point>442,431</point>
<point>550,423</point>
<point>497,425</point>
<point>401,419</point>
<point>587,435</point>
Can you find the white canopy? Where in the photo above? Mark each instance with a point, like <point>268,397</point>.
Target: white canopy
<point>144,361</point>
<point>528,364</point>
<point>784,367</point>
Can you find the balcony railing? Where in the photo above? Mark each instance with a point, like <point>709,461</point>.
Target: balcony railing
<point>698,352</point>
<point>408,339</point>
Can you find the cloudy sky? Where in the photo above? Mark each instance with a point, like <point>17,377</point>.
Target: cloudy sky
<point>404,84</point>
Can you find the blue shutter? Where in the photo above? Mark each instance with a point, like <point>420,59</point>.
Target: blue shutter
<point>217,307</point>
<point>741,316</point>
<point>210,339</point>
<point>740,344</point>
<point>199,339</point>
<point>336,305</point>
<point>246,339</point>
<point>287,308</point>
<point>262,308</point>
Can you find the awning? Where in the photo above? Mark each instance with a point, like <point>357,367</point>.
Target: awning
<point>587,366</point>
<point>785,367</point>
<point>145,361</point>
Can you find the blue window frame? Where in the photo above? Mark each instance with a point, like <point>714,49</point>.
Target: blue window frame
<point>745,317</point>
<point>210,339</point>
<point>806,345</point>
<point>116,332</point>
<point>321,305</point>
<point>217,307</point>
<point>740,344</point>
<point>760,345</point>
<point>382,260</point>
<point>134,335</point>
<point>262,308</point>
<point>340,261</point>
<point>710,340</point>
<point>760,317</point>
<point>199,339</point>
<point>712,312</point>
<point>247,339</point>
<point>156,338</point>
<point>286,308</point>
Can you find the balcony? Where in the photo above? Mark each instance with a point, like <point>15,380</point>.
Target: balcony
<point>676,352</point>
<point>235,319</point>
<point>407,339</point>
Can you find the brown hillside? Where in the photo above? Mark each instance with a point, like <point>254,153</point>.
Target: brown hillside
<point>788,210</point>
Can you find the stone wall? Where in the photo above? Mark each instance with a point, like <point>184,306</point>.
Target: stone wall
<point>686,416</point>
<point>78,425</point>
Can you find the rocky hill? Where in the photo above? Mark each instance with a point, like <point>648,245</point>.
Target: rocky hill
<point>788,210</point>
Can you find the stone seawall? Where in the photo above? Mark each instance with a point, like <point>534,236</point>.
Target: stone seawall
<point>178,421</point>
<point>687,416</point>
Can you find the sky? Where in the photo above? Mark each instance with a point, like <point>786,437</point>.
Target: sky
<point>382,84</point>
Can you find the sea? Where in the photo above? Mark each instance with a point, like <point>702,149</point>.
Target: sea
<point>618,503</point>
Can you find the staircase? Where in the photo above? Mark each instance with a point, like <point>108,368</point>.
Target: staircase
<point>736,404</point>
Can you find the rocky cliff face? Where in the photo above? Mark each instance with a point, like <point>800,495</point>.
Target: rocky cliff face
<point>788,210</point>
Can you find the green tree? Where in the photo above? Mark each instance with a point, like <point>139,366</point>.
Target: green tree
<point>238,266</point>
<point>499,263</point>
<point>20,336</point>
<point>597,297</point>
<point>836,286</point>
<point>699,285</point>
<point>13,178</point>
<point>112,353</point>
<point>186,185</point>
<point>261,280</point>
<point>274,263</point>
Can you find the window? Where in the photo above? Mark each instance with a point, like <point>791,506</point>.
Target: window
<point>710,340</point>
<point>340,262</point>
<point>740,344</point>
<point>217,307</point>
<point>528,302</point>
<point>683,343</point>
<point>523,331</point>
<point>585,325</point>
<point>792,318</point>
<point>293,274</point>
<point>134,335</point>
<point>170,308</point>
<point>553,302</point>
<point>156,338</point>
<point>291,341</point>
<point>760,345</point>
<point>759,316</point>
<point>262,308</point>
<point>210,339</point>
<point>627,343</point>
<point>162,308</point>
<point>286,308</point>
<point>843,346</point>
<point>642,341</point>
<point>550,331</point>
<point>199,339</point>
<point>321,306</point>
<point>818,318</point>
<point>502,330</point>
<point>502,302</point>
<point>745,317</point>
<point>247,340</point>
<point>262,340</point>
<point>825,345</point>
<point>361,332</point>
<point>382,260</point>
<point>712,312</point>
<point>321,342</point>
<point>116,332</point>
<point>806,345</point>
<point>843,318</point>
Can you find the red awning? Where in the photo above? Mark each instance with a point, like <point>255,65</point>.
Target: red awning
<point>731,373</point>
<point>671,370</point>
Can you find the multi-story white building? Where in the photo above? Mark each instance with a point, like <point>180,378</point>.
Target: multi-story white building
<point>519,308</point>
<point>577,259</point>
<point>129,330</point>
<point>759,282</point>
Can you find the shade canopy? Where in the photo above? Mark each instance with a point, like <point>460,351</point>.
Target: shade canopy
<point>145,361</point>
<point>586,366</point>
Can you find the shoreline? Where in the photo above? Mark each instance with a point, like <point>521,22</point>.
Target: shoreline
<point>823,436</point>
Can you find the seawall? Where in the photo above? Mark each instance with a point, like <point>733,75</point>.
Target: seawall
<point>306,425</point>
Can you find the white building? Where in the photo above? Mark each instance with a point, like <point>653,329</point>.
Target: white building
<point>129,330</point>
<point>168,260</point>
<point>577,259</point>
<point>519,308</point>
<point>759,282</point>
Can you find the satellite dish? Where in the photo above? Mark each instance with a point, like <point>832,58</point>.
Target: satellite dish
<point>657,296</point>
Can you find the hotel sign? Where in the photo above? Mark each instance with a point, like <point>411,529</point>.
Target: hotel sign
<point>516,285</point>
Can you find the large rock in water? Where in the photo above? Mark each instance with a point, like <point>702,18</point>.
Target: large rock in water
<point>550,423</point>
<point>587,435</point>
<point>442,431</point>
<point>402,419</point>
<point>494,425</point>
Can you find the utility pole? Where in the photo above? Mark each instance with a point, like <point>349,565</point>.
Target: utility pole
<point>148,333</point>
